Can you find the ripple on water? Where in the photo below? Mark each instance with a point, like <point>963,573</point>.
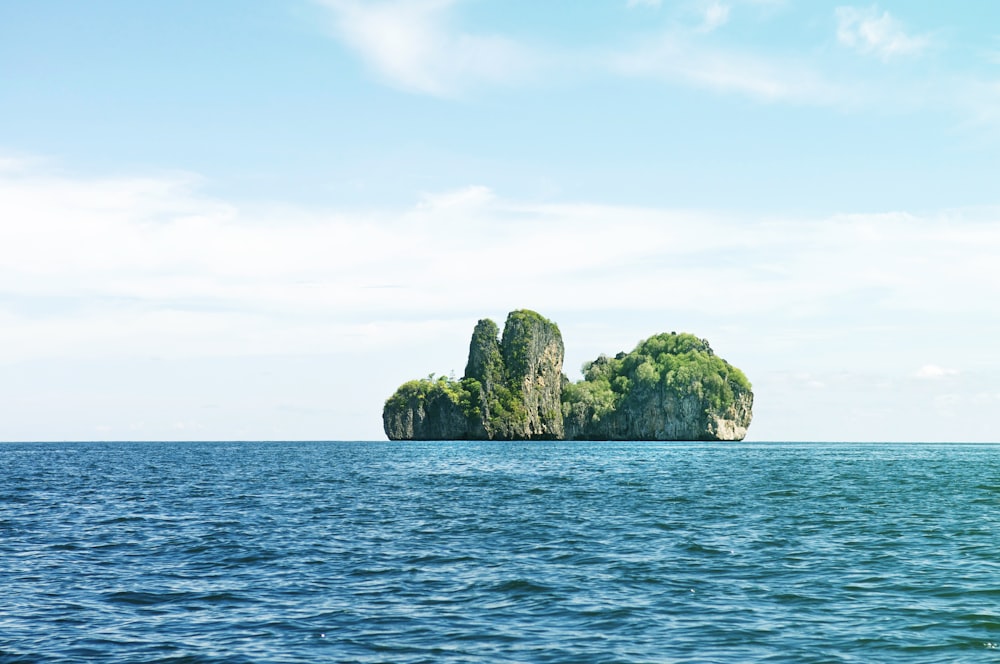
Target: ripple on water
<point>485,552</point>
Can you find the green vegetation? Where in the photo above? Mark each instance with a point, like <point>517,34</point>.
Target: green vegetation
<point>506,405</point>
<point>679,364</point>
<point>506,409</point>
<point>486,368</point>
<point>500,366</point>
<point>511,388</point>
<point>594,399</point>
<point>670,387</point>
<point>517,343</point>
<point>485,362</point>
<point>465,393</point>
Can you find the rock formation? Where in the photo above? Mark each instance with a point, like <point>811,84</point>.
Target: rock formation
<point>428,410</point>
<point>532,352</point>
<point>671,387</point>
<point>511,389</point>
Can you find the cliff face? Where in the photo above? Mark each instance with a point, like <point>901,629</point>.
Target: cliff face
<point>532,351</point>
<point>661,415</point>
<point>732,423</point>
<point>485,367</point>
<point>671,387</point>
<point>510,391</point>
<point>424,414</point>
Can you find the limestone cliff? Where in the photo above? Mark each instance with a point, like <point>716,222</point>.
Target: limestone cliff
<point>511,389</point>
<point>485,367</point>
<point>661,415</point>
<point>671,387</point>
<point>426,410</point>
<point>532,352</point>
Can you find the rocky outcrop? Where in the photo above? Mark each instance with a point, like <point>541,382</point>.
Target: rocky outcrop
<point>671,387</point>
<point>532,352</point>
<point>485,367</point>
<point>660,415</point>
<point>425,412</point>
<point>732,422</point>
<point>511,389</point>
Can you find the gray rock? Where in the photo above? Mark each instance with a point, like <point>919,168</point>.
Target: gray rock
<point>424,415</point>
<point>532,351</point>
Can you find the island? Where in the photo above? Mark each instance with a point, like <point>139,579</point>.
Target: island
<point>670,387</point>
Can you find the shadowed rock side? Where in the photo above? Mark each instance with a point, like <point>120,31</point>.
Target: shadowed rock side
<point>426,410</point>
<point>671,387</point>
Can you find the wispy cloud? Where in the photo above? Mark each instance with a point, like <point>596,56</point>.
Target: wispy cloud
<point>679,58</point>
<point>870,31</point>
<point>934,372</point>
<point>107,269</point>
<point>141,264</point>
<point>416,45</point>
<point>413,45</point>
<point>715,14</point>
<point>421,46</point>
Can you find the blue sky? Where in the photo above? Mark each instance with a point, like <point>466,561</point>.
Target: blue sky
<point>252,219</point>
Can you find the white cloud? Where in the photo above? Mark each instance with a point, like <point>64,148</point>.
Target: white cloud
<point>422,47</point>
<point>871,32</point>
<point>933,371</point>
<point>715,14</point>
<point>460,199</point>
<point>95,269</point>
<point>413,45</point>
<point>10,164</point>
<point>152,266</point>
<point>676,57</point>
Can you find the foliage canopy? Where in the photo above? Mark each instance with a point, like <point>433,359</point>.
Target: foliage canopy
<point>679,364</point>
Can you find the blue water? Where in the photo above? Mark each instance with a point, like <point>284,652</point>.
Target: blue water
<point>499,552</point>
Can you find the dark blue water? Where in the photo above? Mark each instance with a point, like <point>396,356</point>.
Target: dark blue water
<point>499,552</point>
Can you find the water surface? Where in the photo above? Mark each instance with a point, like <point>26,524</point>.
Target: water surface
<point>499,552</point>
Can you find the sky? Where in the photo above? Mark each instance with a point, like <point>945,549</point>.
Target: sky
<point>254,219</point>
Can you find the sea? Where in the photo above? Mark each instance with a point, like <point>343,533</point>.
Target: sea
<point>499,552</point>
